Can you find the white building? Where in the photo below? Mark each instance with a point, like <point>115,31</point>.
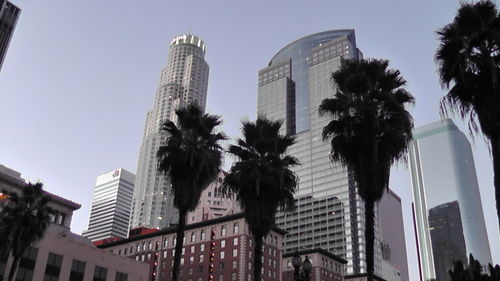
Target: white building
<point>184,80</point>
<point>63,255</point>
<point>448,213</point>
<point>111,205</point>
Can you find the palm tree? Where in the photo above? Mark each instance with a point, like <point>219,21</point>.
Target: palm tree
<point>473,272</point>
<point>24,221</point>
<point>468,61</point>
<point>370,130</point>
<point>261,179</point>
<point>191,158</point>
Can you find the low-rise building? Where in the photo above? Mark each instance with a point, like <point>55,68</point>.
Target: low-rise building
<point>63,255</point>
<point>325,265</point>
<point>218,249</point>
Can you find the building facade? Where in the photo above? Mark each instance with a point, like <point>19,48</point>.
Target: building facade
<point>111,205</point>
<point>214,203</point>
<point>325,265</point>
<point>448,213</point>
<point>330,213</point>
<point>392,238</point>
<point>184,80</point>
<point>61,254</point>
<point>219,249</point>
<point>9,14</point>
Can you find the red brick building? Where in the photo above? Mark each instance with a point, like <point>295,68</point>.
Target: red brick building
<point>325,265</point>
<point>220,249</point>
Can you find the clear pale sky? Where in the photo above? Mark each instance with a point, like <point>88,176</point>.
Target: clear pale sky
<point>80,76</point>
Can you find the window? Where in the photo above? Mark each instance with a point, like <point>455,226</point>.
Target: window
<point>77,270</point>
<point>53,267</point>
<point>235,241</point>
<point>223,243</point>
<point>202,247</point>
<point>222,254</point>
<point>138,247</point>
<point>27,264</point>
<point>193,237</point>
<point>165,254</point>
<point>233,276</point>
<point>235,252</point>
<point>182,261</point>
<point>221,265</point>
<point>202,257</point>
<point>221,277</point>
<point>144,246</point>
<point>235,264</point>
<point>100,273</point>
<point>202,235</point>
<point>223,230</point>
<point>121,276</point>
<point>191,259</point>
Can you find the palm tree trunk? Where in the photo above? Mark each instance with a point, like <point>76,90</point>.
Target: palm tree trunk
<point>13,268</point>
<point>178,244</point>
<point>369,237</point>
<point>495,149</point>
<point>257,257</point>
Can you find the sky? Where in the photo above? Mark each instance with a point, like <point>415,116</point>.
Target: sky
<point>80,76</point>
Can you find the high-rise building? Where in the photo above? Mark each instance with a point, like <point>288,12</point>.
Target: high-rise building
<point>447,208</point>
<point>184,80</point>
<point>111,205</point>
<point>330,212</point>
<point>392,238</point>
<point>9,14</point>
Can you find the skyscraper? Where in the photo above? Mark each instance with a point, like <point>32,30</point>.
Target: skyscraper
<point>184,80</point>
<point>8,19</point>
<point>111,205</point>
<point>448,214</point>
<point>330,213</point>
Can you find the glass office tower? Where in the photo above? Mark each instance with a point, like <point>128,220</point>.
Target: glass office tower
<point>9,14</point>
<point>330,213</point>
<point>183,81</point>
<point>448,214</point>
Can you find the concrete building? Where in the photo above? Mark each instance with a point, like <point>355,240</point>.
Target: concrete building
<point>111,205</point>
<point>330,213</point>
<point>217,249</point>
<point>392,238</point>
<point>447,206</point>
<point>214,203</point>
<point>9,14</point>
<point>63,255</point>
<point>325,265</point>
<point>184,80</point>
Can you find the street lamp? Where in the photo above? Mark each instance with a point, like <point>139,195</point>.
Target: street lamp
<point>299,275</point>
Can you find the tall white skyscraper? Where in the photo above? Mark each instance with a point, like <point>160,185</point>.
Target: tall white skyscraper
<point>330,213</point>
<point>184,80</point>
<point>111,205</point>
<point>447,208</point>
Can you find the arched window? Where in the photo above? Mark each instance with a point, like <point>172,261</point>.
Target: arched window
<point>144,246</point>
<point>174,240</point>
<point>157,245</point>
<point>202,235</point>
<point>165,242</point>
<point>138,247</point>
<point>223,231</point>
<point>150,245</point>
<point>193,237</point>
<point>236,228</point>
